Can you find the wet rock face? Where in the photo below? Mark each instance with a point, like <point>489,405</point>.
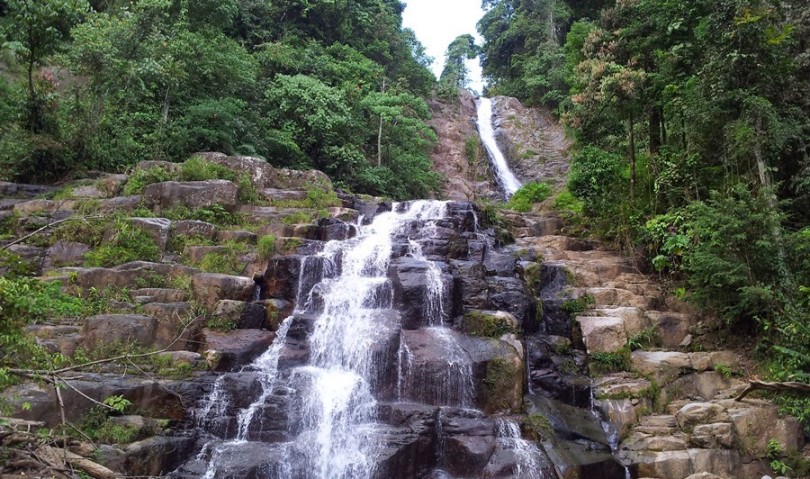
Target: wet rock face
<point>534,144</point>
<point>467,178</point>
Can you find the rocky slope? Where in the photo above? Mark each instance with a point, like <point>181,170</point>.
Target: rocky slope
<point>458,155</point>
<point>532,140</point>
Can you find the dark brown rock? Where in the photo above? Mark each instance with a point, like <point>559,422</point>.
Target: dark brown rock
<point>209,288</point>
<point>120,328</point>
<point>65,253</point>
<point>191,194</point>
<point>232,349</point>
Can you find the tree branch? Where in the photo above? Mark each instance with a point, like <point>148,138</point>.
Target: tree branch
<point>755,384</point>
<point>49,225</point>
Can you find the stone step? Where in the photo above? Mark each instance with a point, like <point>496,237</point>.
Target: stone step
<point>665,421</point>
<point>158,295</point>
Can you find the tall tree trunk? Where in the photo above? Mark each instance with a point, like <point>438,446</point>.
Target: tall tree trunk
<point>765,181</point>
<point>655,131</point>
<point>631,126</point>
<point>663,127</point>
<point>379,134</point>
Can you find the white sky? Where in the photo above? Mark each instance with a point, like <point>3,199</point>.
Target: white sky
<point>438,22</point>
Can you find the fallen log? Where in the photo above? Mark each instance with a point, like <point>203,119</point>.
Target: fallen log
<point>757,385</point>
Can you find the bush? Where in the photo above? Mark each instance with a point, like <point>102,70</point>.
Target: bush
<point>529,194</point>
<point>596,179</point>
<point>266,247</point>
<point>128,243</point>
<point>198,168</point>
<point>141,178</point>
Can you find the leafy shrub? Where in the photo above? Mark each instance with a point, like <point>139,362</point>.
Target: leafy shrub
<point>578,305</point>
<point>266,247</point>
<point>144,177</point>
<point>225,260</point>
<point>25,301</point>
<point>529,194</point>
<point>89,232</point>
<point>611,361</point>
<point>595,178</point>
<point>216,214</point>
<point>128,243</point>
<point>299,217</point>
<point>198,168</point>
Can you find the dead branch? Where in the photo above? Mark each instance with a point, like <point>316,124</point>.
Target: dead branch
<point>49,225</point>
<point>39,373</point>
<point>757,385</point>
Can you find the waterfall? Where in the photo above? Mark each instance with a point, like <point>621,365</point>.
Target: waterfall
<point>506,179</point>
<point>338,410</point>
<point>526,453</point>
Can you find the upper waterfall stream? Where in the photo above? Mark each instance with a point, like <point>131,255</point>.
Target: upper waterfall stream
<point>505,177</point>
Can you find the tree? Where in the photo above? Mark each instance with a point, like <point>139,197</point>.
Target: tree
<point>455,72</point>
<point>39,28</point>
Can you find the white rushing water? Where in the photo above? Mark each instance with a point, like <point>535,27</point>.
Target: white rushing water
<point>338,405</point>
<point>506,178</point>
<point>526,452</point>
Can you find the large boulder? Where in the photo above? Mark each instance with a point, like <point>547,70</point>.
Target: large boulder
<point>64,253</point>
<point>227,351</point>
<point>120,328</point>
<point>210,288</point>
<point>263,175</point>
<point>191,194</point>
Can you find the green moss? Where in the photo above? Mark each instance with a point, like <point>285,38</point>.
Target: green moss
<point>539,427</point>
<point>479,323</point>
<point>578,305</point>
<point>499,383</point>
<point>531,274</point>
<point>604,362</point>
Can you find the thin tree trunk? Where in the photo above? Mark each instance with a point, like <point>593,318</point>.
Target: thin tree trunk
<point>631,126</point>
<point>663,127</point>
<point>655,131</point>
<point>379,134</point>
<point>765,181</point>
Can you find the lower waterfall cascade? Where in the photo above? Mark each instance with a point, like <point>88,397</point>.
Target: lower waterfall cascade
<point>378,371</point>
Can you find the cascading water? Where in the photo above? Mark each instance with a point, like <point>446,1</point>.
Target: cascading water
<point>506,179</point>
<point>527,465</point>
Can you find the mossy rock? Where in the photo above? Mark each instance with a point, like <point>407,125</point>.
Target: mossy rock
<point>489,324</point>
<point>503,385</point>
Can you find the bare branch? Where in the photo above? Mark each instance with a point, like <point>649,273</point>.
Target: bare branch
<point>49,225</point>
<point>755,385</point>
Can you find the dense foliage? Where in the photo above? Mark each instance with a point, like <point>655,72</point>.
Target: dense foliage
<point>692,141</point>
<point>338,86</point>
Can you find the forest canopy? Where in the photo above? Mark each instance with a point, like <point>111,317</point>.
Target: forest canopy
<point>104,84</point>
